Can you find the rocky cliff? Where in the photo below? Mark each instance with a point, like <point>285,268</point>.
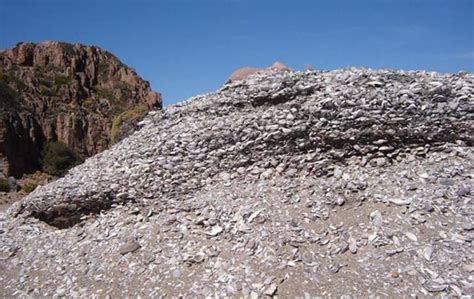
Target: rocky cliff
<point>56,91</point>
<point>344,184</point>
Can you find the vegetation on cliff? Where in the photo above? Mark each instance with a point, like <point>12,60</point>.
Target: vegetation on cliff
<point>4,186</point>
<point>58,158</point>
<point>130,116</point>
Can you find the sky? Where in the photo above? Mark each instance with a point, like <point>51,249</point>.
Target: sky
<point>190,47</point>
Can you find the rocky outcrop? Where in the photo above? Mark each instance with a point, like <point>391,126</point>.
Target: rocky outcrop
<point>21,141</point>
<point>349,183</point>
<point>56,91</point>
<point>244,72</point>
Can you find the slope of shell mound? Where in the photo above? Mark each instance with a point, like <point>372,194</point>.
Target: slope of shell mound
<point>267,125</point>
<point>352,183</point>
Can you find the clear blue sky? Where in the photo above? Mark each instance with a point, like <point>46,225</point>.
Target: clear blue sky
<point>188,47</point>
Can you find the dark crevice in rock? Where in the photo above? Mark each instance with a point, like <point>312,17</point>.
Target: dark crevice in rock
<point>22,143</point>
<point>270,100</point>
<point>68,215</point>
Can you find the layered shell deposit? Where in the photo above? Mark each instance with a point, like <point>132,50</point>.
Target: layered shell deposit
<point>351,182</point>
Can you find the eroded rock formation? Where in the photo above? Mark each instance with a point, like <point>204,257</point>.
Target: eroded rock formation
<point>63,92</point>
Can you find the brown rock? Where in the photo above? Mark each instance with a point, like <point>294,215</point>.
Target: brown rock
<point>56,91</point>
<point>244,72</point>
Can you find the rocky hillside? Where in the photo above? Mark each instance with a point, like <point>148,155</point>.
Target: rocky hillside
<point>352,183</point>
<point>56,91</point>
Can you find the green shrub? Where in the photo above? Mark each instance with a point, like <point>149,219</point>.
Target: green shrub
<point>28,188</point>
<point>5,78</point>
<point>58,158</point>
<point>105,93</point>
<point>10,78</point>
<point>115,130</point>
<point>89,102</point>
<point>20,85</point>
<point>125,91</point>
<point>9,98</point>
<point>45,82</point>
<point>46,91</point>
<point>135,113</point>
<point>68,48</point>
<point>4,186</point>
<point>61,80</point>
<point>102,69</point>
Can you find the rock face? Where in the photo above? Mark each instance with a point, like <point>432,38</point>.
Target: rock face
<point>345,183</point>
<point>56,91</point>
<point>244,72</point>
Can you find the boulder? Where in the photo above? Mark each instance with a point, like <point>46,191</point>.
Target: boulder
<point>244,72</point>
